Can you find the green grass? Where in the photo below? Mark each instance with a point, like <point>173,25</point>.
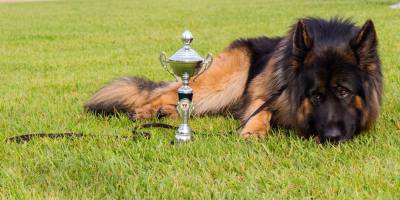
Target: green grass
<point>54,55</point>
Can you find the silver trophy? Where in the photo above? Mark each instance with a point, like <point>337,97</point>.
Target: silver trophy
<point>185,63</point>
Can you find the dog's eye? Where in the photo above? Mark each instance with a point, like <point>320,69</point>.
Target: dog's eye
<point>316,98</point>
<point>342,92</point>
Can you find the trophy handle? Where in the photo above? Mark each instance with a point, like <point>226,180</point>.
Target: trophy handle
<point>206,64</point>
<point>163,60</point>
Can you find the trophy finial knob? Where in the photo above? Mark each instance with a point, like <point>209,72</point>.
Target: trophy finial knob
<point>187,37</point>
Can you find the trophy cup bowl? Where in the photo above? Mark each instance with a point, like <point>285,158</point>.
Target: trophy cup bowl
<point>186,60</point>
<point>179,67</point>
<point>185,63</point>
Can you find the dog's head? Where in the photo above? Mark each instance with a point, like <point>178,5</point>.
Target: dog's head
<point>338,80</point>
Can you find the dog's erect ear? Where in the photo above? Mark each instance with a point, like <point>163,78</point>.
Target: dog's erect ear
<point>365,38</point>
<point>302,41</point>
<point>364,44</point>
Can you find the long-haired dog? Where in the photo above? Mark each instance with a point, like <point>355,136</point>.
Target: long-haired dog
<point>324,77</point>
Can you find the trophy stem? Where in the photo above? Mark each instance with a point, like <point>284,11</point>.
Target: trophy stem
<point>184,108</point>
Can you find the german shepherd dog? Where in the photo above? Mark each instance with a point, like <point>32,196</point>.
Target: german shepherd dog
<point>322,79</point>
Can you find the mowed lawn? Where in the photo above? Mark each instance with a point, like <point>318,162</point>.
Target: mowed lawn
<point>55,54</point>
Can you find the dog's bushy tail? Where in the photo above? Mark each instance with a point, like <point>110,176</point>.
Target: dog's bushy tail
<point>124,95</point>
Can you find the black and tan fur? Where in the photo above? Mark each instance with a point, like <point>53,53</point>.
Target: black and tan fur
<point>326,75</point>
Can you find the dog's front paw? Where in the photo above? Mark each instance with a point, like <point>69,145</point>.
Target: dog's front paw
<point>247,134</point>
<point>257,126</point>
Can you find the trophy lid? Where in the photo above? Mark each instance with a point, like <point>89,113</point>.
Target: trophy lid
<point>186,54</point>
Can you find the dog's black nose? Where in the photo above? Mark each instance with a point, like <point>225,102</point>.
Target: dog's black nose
<point>332,135</point>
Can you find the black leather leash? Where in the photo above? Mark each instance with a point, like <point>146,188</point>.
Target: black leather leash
<point>136,131</point>
<point>136,134</point>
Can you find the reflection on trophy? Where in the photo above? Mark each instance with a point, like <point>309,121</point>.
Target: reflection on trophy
<point>185,63</point>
